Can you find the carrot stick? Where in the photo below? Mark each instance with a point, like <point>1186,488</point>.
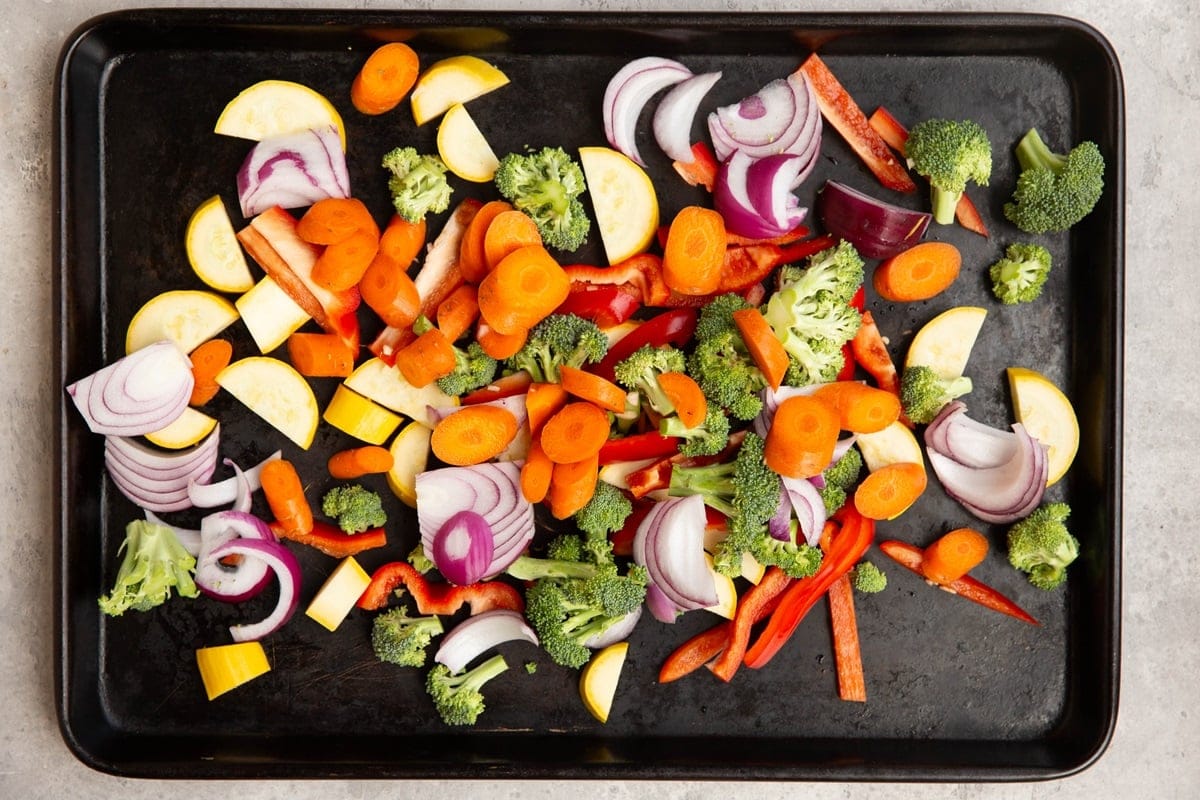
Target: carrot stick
<point>341,266</point>
<point>586,386</point>
<point>889,490</point>
<point>860,408</point>
<point>389,292</point>
<point>802,436</point>
<point>207,360</point>
<point>508,231</point>
<point>402,240</point>
<point>457,312</point>
<point>285,496</point>
<point>695,251</point>
<point>572,486</point>
<point>320,355</point>
<point>473,435</point>
<point>919,273</point>
<point>577,430</point>
<point>471,258</point>
<point>358,461</point>
<point>499,345</point>
<point>333,220</point>
<point>427,358</point>
<point>386,77</point>
<point>695,653</point>
<point>525,287</point>
<point>847,651</point>
<point>764,346</point>
<point>542,401</point>
<point>954,555</point>
<point>686,396</point>
<point>535,473</point>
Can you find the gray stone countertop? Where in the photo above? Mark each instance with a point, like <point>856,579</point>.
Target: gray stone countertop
<point>1156,748</point>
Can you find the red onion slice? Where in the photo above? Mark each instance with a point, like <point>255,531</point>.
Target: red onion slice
<point>462,548</point>
<point>155,480</point>
<point>293,170</point>
<point>236,583</point>
<point>662,608</point>
<point>629,91</point>
<point>808,506</point>
<point>672,549</point>
<point>877,229</point>
<point>211,495</point>
<point>801,136</point>
<point>624,74</point>
<point>731,199</point>
<point>480,633</point>
<point>1001,493</point>
<point>677,111</point>
<point>769,184</point>
<point>763,118</point>
<point>286,568</point>
<point>140,393</point>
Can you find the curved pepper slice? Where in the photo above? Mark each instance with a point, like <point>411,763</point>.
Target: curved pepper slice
<point>437,598</point>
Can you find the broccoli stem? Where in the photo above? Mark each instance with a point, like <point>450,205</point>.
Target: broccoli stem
<point>1033,153</point>
<point>528,568</point>
<point>944,203</point>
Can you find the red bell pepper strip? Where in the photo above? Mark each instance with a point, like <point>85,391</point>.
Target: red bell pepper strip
<point>638,447</point>
<point>643,272</point>
<point>750,609</point>
<point>847,548</point>
<point>871,353</point>
<point>437,598</point>
<point>658,475</point>
<point>671,327</point>
<point>892,131</point>
<point>506,386</point>
<point>840,110</point>
<point>849,364</point>
<point>909,556</point>
<point>701,170</point>
<point>605,305</point>
<point>332,540</point>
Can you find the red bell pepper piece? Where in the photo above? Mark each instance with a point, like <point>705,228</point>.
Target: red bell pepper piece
<point>506,386</point>
<point>910,556</point>
<point>701,170</point>
<point>643,272</point>
<point>750,609</point>
<point>638,447</point>
<point>671,327</point>
<point>622,540</point>
<point>437,598</point>
<point>332,540</point>
<point>840,110</point>
<point>658,475</point>
<point>871,353</point>
<point>849,364</point>
<point>607,306</point>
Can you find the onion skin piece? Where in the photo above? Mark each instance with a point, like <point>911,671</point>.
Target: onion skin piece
<point>875,228</point>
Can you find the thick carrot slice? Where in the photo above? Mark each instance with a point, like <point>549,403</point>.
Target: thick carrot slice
<point>320,355</point>
<point>358,461</point>
<point>535,473</point>
<point>572,486</point>
<point>847,651</point>
<point>389,292</point>
<point>402,240</point>
<point>860,408</point>
<point>586,386</point>
<point>922,271</point>
<point>525,287</point>
<point>686,396</point>
<point>889,490</point>
<point>384,80</point>
<point>802,436</point>
<point>342,265</point>
<point>695,251</point>
<point>473,435</point>
<point>954,555</point>
<point>764,346</point>
<point>471,255</point>
<point>542,401</point>
<point>207,360</point>
<point>508,231</point>
<point>333,220</point>
<point>499,345</point>
<point>429,357</point>
<point>285,496</point>
<point>457,312</point>
<point>577,430</point>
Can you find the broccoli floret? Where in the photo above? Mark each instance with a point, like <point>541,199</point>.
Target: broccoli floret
<point>839,477</point>
<point>559,340</point>
<point>531,667</point>
<point>949,153</point>
<point>419,561</point>
<point>1021,274</point>
<point>546,185</point>
<point>721,364</point>
<point>605,513</point>
<point>417,184</point>
<point>154,564</point>
<point>716,317</point>
<point>639,372</point>
<point>1054,191</point>
<point>868,578</point>
<point>1041,545</point>
<point>706,439</point>
<point>472,368</point>
<point>355,508</point>
<point>567,613</point>
<point>812,316</point>
<point>400,639</point>
<point>459,698</point>
<point>923,393</point>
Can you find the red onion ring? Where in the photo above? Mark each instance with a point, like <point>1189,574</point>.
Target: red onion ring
<point>462,548</point>
<point>480,633</point>
<point>672,549</point>
<point>628,92</point>
<point>286,568</point>
<point>155,480</point>
<point>246,579</point>
<point>210,495</point>
<point>676,113</point>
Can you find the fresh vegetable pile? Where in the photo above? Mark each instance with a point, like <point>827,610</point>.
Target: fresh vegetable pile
<point>709,422</point>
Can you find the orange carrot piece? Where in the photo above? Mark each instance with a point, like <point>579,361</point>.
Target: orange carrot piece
<point>954,555</point>
<point>686,396</point>
<point>384,80</point>
<point>577,430</point>
<point>429,357</point>
<point>889,490</point>
<point>320,355</point>
<point>860,408</point>
<point>457,312</point>
<point>525,287</point>
<point>505,386</point>
<point>542,401</point>
<point>802,436</point>
<point>473,435</point>
<point>402,240</point>
<point>604,393</point>
<point>341,266</point>
<point>333,220</point>
<point>765,348</point>
<point>536,473</point>
<point>358,461</point>
<point>207,360</point>
<point>285,496</point>
<point>508,231</point>
<point>571,486</point>
<point>847,651</point>
<point>922,271</point>
<point>471,254</point>
<point>499,345</point>
<point>695,251</point>
<point>389,292</point>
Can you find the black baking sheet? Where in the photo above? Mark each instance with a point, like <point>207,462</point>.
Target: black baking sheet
<point>955,692</point>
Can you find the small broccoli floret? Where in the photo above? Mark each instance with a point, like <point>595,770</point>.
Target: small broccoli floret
<point>567,613</point>
<point>833,274</point>
<point>839,477</point>
<point>949,153</point>
<point>923,394</point>
<point>400,639</point>
<point>639,372</point>
<point>419,561</point>
<point>531,667</point>
<point>605,513</point>
<point>720,362</point>
<point>868,578</point>
<point>1021,274</point>
<point>546,185</point>
<point>417,184</point>
<point>706,439</point>
<point>716,317</point>
<point>355,508</point>
<point>1041,545</point>
<point>459,698</point>
<point>154,564</point>
<point>472,368</point>
<point>1054,191</point>
<point>559,340</point>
